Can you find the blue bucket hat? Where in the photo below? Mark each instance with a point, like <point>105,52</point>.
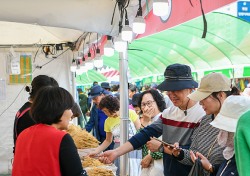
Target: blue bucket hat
<point>177,77</point>
<point>97,90</point>
<point>105,85</point>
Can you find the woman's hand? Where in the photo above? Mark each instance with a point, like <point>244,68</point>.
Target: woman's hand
<point>146,161</point>
<point>93,154</point>
<point>193,156</point>
<point>205,163</point>
<point>148,113</point>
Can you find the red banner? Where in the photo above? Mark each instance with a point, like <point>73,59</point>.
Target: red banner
<point>181,12</point>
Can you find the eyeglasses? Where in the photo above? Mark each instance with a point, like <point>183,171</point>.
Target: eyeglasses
<point>148,103</point>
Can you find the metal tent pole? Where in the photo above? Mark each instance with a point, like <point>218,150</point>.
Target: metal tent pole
<point>124,115</point>
<point>75,122</point>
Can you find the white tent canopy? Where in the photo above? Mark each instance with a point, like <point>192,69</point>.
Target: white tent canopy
<point>12,33</point>
<point>31,22</point>
<point>26,25</point>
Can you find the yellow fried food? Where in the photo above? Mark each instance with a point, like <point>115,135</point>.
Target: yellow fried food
<point>96,171</point>
<point>82,138</point>
<point>91,162</point>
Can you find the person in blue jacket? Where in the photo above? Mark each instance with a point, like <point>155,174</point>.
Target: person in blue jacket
<point>97,116</point>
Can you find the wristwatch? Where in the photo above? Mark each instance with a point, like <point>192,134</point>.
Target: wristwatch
<point>161,148</point>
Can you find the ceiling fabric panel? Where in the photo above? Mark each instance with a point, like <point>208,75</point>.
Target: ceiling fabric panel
<point>177,51</point>
<point>226,45</point>
<point>89,77</point>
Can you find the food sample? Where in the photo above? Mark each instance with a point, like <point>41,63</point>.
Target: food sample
<point>82,138</point>
<point>97,171</point>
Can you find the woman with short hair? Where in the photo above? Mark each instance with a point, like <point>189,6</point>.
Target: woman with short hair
<point>45,149</point>
<point>152,104</point>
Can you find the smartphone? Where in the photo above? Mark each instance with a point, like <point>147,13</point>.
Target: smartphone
<point>164,143</point>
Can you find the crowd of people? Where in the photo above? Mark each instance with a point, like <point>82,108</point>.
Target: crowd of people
<point>174,128</point>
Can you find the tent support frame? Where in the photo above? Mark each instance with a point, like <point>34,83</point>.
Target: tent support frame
<point>124,115</point>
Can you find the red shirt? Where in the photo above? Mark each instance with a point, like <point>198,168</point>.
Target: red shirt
<point>37,151</point>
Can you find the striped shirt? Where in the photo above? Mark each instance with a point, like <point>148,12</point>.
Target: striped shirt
<point>204,140</point>
<point>178,127</point>
<point>174,126</point>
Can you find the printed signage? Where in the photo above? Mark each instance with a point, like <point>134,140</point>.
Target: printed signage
<point>244,10</point>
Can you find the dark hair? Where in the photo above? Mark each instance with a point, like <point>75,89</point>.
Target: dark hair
<point>234,91</point>
<point>147,87</point>
<point>115,87</point>
<point>135,98</point>
<point>132,87</point>
<point>79,90</point>
<point>50,103</point>
<point>111,103</point>
<point>158,98</point>
<point>39,82</point>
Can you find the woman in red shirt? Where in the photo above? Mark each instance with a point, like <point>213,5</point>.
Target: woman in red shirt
<point>45,149</point>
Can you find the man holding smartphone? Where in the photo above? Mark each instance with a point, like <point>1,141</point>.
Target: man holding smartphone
<point>176,123</point>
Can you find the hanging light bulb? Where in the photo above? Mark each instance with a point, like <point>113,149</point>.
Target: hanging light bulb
<point>139,25</point>
<point>119,44</point>
<point>108,48</point>
<point>79,58</point>
<point>79,71</point>
<point>73,66</point>
<point>127,33</point>
<point>83,66</point>
<point>89,63</point>
<point>160,7</point>
<point>98,61</point>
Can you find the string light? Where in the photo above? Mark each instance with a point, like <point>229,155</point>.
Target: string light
<point>89,63</point>
<point>108,48</point>
<point>98,61</point>
<point>139,25</point>
<point>119,44</point>
<point>127,33</point>
<point>160,7</point>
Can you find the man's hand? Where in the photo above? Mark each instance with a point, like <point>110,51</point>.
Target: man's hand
<point>176,150</point>
<point>108,157</point>
<point>153,145</point>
